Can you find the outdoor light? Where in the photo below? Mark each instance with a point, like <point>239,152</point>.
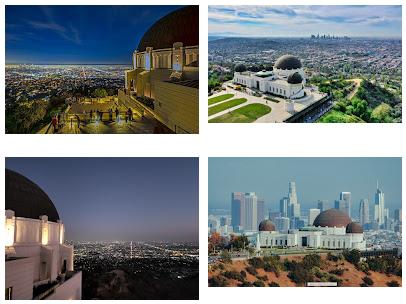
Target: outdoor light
<point>44,230</point>
<point>10,228</point>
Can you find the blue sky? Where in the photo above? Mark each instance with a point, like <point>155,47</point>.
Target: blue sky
<point>140,199</point>
<point>316,178</point>
<point>77,34</point>
<point>302,21</point>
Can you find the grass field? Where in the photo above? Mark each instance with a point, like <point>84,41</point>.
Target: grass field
<point>248,113</point>
<point>226,105</point>
<point>219,98</point>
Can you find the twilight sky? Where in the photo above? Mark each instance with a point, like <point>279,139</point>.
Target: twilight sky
<point>77,33</point>
<point>316,178</point>
<point>304,20</point>
<point>140,199</point>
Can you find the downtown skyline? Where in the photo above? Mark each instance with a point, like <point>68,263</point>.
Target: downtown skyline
<point>269,178</point>
<point>138,199</point>
<point>66,34</point>
<point>303,21</point>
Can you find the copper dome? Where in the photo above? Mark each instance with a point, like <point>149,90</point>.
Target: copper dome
<point>27,199</point>
<point>288,62</point>
<point>181,25</point>
<point>354,228</point>
<point>332,218</point>
<point>266,225</point>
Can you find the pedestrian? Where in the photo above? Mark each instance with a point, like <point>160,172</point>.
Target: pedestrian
<point>54,122</point>
<point>117,115</point>
<point>130,113</point>
<point>110,114</point>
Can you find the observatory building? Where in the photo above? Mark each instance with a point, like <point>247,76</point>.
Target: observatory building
<point>286,79</point>
<point>166,71</point>
<point>38,264</point>
<point>332,229</point>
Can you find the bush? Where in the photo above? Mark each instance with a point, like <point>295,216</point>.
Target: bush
<point>392,284</point>
<point>234,275</point>
<point>332,257</point>
<point>243,273</point>
<point>367,280</point>
<point>363,266</point>
<point>226,257</point>
<point>245,284</point>
<point>256,262</point>
<point>262,278</point>
<point>259,283</point>
<point>338,271</point>
<point>274,284</point>
<point>251,270</point>
<point>218,282</point>
<point>352,256</point>
<point>363,285</point>
<point>221,266</point>
<point>311,260</point>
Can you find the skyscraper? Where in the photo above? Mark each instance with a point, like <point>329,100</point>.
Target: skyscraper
<point>293,205</point>
<point>250,211</point>
<point>313,213</point>
<point>364,212</point>
<point>379,210</point>
<point>398,215</point>
<point>292,193</point>
<point>323,205</point>
<point>283,207</point>
<point>260,211</point>
<point>346,197</point>
<point>340,205</point>
<point>237,210</point>
<point>282,224</point>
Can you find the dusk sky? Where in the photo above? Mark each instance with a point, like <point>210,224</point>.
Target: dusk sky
<point>140,199</point>
<point>316,178</point>
<point>304,20</point>
<point>77,34</point>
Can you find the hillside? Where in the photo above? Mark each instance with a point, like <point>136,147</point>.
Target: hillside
<point>275,272</point>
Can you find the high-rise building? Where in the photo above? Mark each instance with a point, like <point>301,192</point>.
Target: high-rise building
<point>323,205</point>
<point>250,211</point>
<point>398,215</point>
<point>364,212</point>
<point>260,211</point>
<point>273,215</point>
<point>237,210</point>
<point>340,205</point>
<point>292,193</point>
<point>283,207</point>
<point>282,224</point>
<point>293,205</point>
<point>379,210</point>
<point>346,197</point>
<point>313,213</point>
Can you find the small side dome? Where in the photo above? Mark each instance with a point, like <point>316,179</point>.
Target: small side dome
<point>354,227</point>
<point>295,78</point>
<point>266,225</point>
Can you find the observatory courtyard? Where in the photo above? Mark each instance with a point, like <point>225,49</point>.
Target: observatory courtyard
<point>278,95</point>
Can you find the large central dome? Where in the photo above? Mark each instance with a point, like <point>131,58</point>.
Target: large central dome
<point>266,225</point>
<point>26,199</point>
<point>288,62</point>
<point>332,218</point>
<point>181,25</point>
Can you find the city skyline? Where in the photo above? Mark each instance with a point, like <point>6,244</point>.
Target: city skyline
<point>66,34</point>
<point>252,175</point>
<point>303,21</point>
<point>139,199</point>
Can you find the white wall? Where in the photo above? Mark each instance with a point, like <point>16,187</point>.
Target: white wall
<point>19,275</point>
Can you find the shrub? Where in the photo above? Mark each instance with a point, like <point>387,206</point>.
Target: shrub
<point>367,280</point>
<point>243,273</point>
<point>274,284</point>
<point>363,285</point>
<point>245,284</point>
<point>226,257</point>
<point>352,256</point>
<point>332,257</point>
<point>259,283</point>
<point>262,278</point>
<point>256,262</point>
<point>218,282</point>
<point>234,275</point>
<point>251,270</point>
<point>338,271</point>
<point>221,266</point>
<point>392,284</point>
<point>311,260</point>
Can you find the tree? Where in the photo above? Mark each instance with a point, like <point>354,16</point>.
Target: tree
<point>216,241</point>
<point>100,93</point>
<point>382,113</point>
<point>226,257</point>
<point>238,242</point>
<point>29,113</point>
<point>353,256</point>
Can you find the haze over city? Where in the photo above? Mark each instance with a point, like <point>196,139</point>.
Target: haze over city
<point>316,179</point>
<point>77,34</point>
<point>139,199</point>
<point>302,21</point>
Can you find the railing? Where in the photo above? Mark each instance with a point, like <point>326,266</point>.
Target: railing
<point>45,290</point>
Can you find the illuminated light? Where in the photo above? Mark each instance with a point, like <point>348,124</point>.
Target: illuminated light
<point>44,230</point>
<point>61,233</point>
<point>10,230</point>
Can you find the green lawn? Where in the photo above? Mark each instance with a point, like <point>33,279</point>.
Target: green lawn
<point>226,105</point>
<point>248,113</point>
<point>339,117</point>
<point>219,98</point>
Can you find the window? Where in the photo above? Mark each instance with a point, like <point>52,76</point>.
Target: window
<point>9,293</point>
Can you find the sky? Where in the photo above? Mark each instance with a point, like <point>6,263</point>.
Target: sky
<point>316,178</point>
<point>139,199</point>
<point>77,34</point>
<point>303,20</point>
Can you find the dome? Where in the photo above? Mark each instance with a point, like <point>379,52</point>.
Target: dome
<point>295,78</point>
<point>26,199</point>
<point>354,228</point>
<point>181,25</point>
<point>266,225</point>
<point>332,218</point>
<point>288,62</point>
